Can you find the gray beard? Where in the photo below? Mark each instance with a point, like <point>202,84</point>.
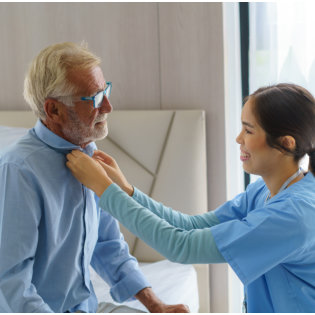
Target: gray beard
<point>78,133</point>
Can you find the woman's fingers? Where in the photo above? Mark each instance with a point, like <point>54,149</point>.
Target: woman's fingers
<point>104,165</point>
<point>74,155</point>
<point>109,170</point>
<point>88,171</point>
<point>69,165</point>
<point>69,156</point>
<point>116,175</point>
<point>103,156</point>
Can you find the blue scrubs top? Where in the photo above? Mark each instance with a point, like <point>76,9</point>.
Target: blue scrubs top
<point>270,245</point>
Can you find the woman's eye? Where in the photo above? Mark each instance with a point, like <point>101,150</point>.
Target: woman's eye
<point>247,131</point>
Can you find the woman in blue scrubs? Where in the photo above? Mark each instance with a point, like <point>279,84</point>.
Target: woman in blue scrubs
<point>266,234</point>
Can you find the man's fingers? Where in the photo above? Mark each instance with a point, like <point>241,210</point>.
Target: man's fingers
<point>187,308</point>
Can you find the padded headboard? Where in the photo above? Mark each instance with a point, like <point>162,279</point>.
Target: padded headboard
<point>163,153</point>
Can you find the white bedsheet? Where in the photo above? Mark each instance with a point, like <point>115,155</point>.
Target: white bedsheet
<point>173,283</point>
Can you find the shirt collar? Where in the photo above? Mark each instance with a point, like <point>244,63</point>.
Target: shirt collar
<point>58,143</point>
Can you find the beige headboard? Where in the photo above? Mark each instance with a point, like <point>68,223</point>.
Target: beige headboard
<point>163,153</point>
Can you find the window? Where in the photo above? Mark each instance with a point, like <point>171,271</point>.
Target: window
<point>282,46</point>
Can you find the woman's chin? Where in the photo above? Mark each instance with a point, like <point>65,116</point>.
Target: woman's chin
<point>247,168</point>
<point>251,171</point>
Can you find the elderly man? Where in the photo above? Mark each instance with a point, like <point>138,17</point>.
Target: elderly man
<point>51,229</point>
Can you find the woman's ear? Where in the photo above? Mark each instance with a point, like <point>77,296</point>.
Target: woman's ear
<point>288,142</point>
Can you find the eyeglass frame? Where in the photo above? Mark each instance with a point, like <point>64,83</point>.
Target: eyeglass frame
<point>104,92</point>
<point>90,98</point>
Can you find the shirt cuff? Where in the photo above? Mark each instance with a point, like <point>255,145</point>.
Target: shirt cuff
<point>129,286</point>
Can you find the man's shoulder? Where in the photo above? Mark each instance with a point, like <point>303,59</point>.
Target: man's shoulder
<point>21,150</point>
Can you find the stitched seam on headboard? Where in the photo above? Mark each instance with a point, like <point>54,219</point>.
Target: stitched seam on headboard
<point>162,153</point>
<point>130,156</point>
<point>169,129</point>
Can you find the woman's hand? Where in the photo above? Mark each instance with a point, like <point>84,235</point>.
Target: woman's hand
<point>113,171</point>
<point>88,171</point>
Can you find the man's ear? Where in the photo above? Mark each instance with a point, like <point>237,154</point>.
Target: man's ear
<point>288,142</point>
<point>53,110</point>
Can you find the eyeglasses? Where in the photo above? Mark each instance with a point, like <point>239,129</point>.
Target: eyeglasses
<point>98,98</point>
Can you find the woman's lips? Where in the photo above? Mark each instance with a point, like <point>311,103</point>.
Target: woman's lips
<point>244,156</point>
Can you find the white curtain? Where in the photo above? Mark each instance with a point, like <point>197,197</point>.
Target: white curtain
<point>233,109</point>
<point>282,45</point>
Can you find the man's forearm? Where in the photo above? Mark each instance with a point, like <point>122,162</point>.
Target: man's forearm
<point>148,298</point>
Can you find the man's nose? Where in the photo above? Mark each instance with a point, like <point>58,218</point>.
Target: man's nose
<point>105,107</point>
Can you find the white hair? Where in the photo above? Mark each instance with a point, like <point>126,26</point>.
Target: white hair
<point>48,74</point>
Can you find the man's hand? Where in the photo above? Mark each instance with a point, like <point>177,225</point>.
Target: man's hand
<point>148,298</point>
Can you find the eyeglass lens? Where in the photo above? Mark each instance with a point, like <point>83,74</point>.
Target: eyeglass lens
<point>98,99</point>
<point>100,96</point>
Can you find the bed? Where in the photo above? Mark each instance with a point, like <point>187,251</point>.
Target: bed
<point>156,150</point>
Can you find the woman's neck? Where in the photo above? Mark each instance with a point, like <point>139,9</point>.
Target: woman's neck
<point>277,178</point>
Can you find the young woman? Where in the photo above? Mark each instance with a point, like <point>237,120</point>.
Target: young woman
<point>266,234</point>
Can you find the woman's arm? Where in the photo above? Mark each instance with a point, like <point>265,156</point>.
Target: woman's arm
<point>194,246</point>
<point>178,245</point>
<point>175,218</point>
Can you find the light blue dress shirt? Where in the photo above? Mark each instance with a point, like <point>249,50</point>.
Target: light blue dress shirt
<point>270,245</point>
<point>51,230</point>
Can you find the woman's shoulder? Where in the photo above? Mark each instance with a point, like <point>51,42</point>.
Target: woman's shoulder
<point>297,200</point>
<point>302,190</point>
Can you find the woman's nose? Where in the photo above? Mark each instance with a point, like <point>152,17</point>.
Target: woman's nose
<point>239,138</point>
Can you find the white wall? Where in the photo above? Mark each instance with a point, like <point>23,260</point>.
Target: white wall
<point>158,56</point>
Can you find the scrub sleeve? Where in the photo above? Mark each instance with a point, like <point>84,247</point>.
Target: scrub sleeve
<point>265,238</point>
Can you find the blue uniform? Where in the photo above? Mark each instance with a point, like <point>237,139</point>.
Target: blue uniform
<point>269,244</point>
<point>51,230</point>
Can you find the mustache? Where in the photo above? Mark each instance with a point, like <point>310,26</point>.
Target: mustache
<point>100,118</point>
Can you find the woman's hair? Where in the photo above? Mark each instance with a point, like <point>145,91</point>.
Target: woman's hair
<point>48,73</point>
<point>287,110</point>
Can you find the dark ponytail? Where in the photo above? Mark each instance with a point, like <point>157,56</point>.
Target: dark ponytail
<point>287,110</point>
<point>312,161</point>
